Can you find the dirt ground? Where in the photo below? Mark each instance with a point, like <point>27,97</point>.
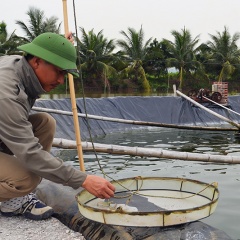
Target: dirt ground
<point>20,228</point>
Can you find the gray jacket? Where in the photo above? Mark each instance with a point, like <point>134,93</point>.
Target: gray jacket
<point>19,88</point>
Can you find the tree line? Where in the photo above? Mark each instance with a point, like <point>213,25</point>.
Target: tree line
<point>140,63</point>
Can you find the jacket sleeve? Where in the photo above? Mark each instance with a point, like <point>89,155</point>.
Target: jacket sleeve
<point>16,133</point>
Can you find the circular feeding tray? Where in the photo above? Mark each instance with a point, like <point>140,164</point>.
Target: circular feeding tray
<point>151,201</point>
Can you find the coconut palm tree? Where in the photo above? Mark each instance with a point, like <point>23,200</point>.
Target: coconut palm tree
<point>38,24</point>
<point>182,52</point>
<point>224,52</point>
<point>135,51</point>
<point>134,46</point>
<point>3,38</point>
<point>155,60</point>
<point>102,47</point>
<point>96,56</point>
<point>8,44</point>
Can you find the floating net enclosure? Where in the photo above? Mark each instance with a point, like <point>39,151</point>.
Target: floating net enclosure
<point>151,201</point>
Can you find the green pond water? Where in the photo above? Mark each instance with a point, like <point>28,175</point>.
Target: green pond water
<point>227,214</point>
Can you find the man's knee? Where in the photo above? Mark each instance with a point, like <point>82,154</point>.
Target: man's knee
<point>48,124</point>
<point>49,120</point>
<point>41,121</point>
<point>44,126</point>
<point>31,182</point>
<point>19,187</point>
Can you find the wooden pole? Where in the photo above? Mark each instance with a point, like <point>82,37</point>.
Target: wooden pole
<point>228,109</point>
<point>134,122</point>
<point>208,110</point>
<point>147,152</point>
<point>73,99</point>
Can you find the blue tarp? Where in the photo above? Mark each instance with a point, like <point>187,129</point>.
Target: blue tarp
<point>168,110</point>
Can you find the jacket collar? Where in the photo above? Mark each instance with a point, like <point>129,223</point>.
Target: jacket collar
<point>29,79</point>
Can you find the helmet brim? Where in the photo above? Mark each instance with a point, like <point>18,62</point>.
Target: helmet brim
<point>50,57</point>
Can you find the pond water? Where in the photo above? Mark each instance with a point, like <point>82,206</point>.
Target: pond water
<point>227,215</point>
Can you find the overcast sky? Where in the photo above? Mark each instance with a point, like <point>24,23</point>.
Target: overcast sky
<point>157,17</point>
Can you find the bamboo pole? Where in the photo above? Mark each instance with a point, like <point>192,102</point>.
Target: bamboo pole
<point>147,152</point>
<point>134,122</point>
<point>73,99</point>
<point>228,109</point>
<point>208,110</point>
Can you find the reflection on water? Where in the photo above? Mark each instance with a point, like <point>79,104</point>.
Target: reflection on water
<point>227,215</point>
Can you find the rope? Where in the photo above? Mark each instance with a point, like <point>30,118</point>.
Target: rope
<point>161,196</point>
<point>129,196</point>
<point>83,94</point>
<point>108,203</point>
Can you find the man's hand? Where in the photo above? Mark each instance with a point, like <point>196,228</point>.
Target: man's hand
<point>98,186</point>
<point>69,36</point>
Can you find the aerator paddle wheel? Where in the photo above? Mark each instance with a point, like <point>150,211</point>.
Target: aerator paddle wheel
<point>203,95</point>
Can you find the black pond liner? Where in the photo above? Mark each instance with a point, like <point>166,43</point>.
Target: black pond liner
<point>152,109</point>
<point>168,110</point>
<point>62,199</point>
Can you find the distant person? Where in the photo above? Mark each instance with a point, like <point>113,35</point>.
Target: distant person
<point>26,139</point>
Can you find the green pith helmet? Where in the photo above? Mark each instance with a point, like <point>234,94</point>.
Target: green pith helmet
<point>54,49</point>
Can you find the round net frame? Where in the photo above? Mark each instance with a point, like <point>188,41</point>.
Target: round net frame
<point>151,201</point>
